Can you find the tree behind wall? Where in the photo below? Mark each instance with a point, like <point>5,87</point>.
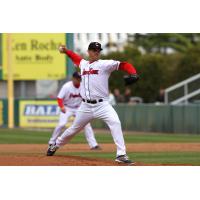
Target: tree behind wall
<point>157,69</point>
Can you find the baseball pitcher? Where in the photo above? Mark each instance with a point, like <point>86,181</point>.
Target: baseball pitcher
<point>69,100</point>
<point>94,92</point>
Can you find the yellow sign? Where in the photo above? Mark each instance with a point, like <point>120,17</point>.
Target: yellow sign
<point>35,56</point>
<point>1,113</point>
<point>40,114</point>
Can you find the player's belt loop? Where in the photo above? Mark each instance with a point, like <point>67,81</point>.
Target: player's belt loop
<point>92,101</point>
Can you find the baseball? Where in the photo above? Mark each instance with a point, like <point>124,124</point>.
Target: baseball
<point>61,48</point>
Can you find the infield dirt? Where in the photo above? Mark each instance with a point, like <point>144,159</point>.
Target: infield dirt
<point>34,154</point>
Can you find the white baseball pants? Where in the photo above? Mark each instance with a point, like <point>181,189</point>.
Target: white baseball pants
<point>64,117</point>
<point>87,112</point>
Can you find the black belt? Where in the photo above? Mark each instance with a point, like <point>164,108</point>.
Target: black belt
<point>92,101</point>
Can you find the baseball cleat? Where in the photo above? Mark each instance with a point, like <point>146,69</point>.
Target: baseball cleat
<point>50,145</point>
<point>52,149</point>
<point>124,159</point>
<point>96,148</point>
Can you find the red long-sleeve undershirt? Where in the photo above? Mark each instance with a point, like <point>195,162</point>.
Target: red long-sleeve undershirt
<point>60,102</point>
<point>124,66</point>
<point>76,59</point>
<point>127,67</point>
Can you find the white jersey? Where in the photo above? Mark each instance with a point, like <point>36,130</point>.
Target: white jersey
<point>70,95</point>
<point>94,84</point>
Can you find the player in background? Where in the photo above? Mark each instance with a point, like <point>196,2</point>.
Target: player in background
<point>94,91</point>
<point>69,100</point>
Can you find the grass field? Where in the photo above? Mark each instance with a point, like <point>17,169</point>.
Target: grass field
<point>164,158</point>
<point>19,136</point>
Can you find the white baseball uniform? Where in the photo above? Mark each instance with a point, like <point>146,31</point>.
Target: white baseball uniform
<point>94,86</point>
<point>71,100</point>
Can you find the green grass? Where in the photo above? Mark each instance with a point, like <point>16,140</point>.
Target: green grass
<point>171,158</point>
<point>20,136</point>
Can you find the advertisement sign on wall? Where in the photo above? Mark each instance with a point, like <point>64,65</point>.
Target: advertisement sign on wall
<point>34,56</point>
<point>40,114</point>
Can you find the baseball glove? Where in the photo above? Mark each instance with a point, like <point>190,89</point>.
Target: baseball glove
<point>131,79</point>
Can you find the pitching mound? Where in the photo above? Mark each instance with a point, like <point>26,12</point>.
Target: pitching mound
<point>34,154</point>
<point>53,161</point>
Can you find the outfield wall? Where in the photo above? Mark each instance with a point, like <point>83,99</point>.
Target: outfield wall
<point>162,118</point>
<point>3,113</point>
<point>146,117</point>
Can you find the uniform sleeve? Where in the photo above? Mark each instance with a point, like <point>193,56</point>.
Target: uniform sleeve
<point>63,93</point>
<point>111,65</point>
